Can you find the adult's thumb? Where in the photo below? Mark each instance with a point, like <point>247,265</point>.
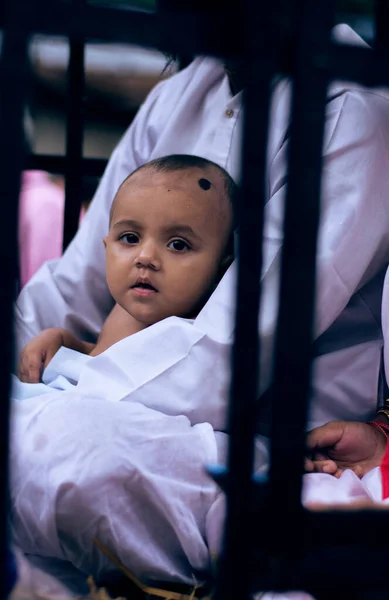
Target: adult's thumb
<point>325,436</point>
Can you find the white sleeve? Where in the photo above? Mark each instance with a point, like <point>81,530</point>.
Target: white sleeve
<point>353,240</point>
<point>72,292</point>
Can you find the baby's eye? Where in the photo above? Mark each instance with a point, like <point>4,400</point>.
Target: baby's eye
<point>129,238</point>
<point>178,245</point>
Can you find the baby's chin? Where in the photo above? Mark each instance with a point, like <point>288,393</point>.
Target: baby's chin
<point>148,320</point>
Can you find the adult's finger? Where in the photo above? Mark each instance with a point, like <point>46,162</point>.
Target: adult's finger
<point>325,466</point>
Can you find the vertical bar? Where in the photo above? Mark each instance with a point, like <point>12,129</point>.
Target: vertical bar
<point>14,61</point>
<point>235,578</point>
<point>297,289</point>
<point>184,60</point>
<point>74,134</point>
<point>381,36</point>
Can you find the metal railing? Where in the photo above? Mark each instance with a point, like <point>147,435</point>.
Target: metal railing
<point>268,546</point>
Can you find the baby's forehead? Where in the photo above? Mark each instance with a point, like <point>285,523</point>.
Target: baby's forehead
<point>204,186</point>
<point>194,194</point>
<point>195,179</point>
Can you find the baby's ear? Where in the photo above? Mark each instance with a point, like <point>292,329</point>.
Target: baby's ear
<point>105,242</point>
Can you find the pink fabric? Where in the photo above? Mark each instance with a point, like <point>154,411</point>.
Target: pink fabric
<point>41,211</point>
<point>385,474</point>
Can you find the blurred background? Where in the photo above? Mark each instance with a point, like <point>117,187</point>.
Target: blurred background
<point>117,79</point>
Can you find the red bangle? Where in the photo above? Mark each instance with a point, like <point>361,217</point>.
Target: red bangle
<point>381,426</point>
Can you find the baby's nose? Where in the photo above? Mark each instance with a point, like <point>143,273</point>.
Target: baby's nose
<point>148,255</point>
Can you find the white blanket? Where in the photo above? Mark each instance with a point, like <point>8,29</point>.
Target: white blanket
<point>94,460</point>
<point>101,454</point>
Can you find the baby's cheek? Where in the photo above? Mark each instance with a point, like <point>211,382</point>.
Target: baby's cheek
<point>198,290</point>
<point>112,282</point>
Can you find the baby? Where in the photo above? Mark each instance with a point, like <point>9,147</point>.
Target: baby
<point>170,241</point>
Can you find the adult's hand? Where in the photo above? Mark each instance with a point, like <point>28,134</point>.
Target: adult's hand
<point>341,445</point>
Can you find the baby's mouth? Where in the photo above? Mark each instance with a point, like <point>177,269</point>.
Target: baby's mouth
<point>144,287</point>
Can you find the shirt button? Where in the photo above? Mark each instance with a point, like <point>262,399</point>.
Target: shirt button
<point>229,113</point>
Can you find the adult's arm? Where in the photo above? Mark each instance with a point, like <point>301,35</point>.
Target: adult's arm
<point>353,242</point>
<point>353,248</point>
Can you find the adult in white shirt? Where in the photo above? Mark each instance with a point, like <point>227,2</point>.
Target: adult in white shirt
<point>195,112</point>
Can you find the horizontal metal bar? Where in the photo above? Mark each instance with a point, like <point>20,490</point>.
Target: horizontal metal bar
<point>356,63</point>
<point>91,167</point>
<point>332,542</point>
<point>193,34</point>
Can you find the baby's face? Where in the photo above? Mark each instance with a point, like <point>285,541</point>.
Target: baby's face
<point>166,244</point>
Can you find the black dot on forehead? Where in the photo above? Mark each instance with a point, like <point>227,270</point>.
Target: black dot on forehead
<point>204,183</point>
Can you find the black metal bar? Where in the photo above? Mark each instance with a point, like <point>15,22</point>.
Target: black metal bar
<point>74,135</point>
<point>192,33</point>
<point>296,309</point>
<point>14,66</point>
<point>93,167</point>
<point>195,35</point>
<point>381,37</point>
<point>234,581</point>
<point>328,538</point>
<point>362,65</point>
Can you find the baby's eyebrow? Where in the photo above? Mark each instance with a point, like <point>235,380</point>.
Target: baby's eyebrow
<point>205,184</point>
<point>181,229</point>
<point>127,223</point>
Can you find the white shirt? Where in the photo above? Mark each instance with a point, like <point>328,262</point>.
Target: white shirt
<point>195,113</point>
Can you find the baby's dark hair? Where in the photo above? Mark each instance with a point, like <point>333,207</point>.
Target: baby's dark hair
<point>181,162</point>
